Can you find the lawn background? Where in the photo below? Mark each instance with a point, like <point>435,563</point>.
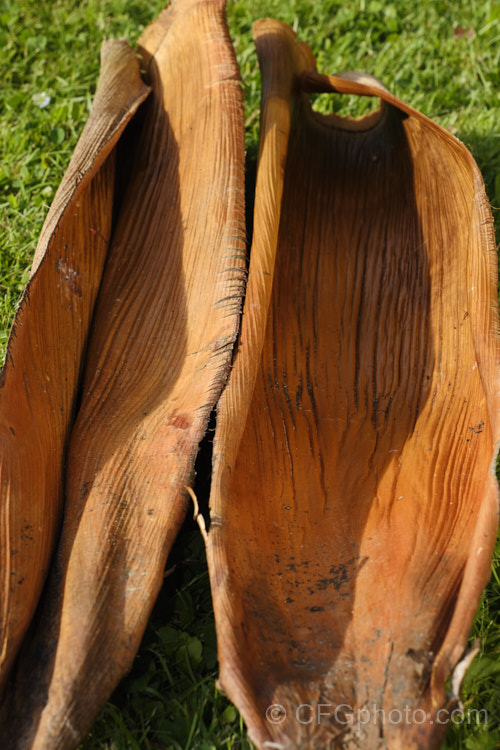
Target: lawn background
<point>441,57</point>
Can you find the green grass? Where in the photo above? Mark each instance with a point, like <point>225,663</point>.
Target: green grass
<point>170,699</point>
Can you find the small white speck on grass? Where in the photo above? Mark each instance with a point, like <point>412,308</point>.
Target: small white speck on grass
<point>42,99</point>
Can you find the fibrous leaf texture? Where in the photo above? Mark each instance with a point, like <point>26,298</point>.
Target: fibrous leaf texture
<point>354,503</point>
<point>45,353</point>
<point>158,354</point>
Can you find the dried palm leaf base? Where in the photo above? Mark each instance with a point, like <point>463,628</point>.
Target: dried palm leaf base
<point>38,384</point>
<point>165,323</point>
<point>353,499</point>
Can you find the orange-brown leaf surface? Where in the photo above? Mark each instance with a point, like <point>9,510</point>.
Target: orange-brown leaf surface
<point>38,384</point>
<point>166,320</point>
<point>354,504</point>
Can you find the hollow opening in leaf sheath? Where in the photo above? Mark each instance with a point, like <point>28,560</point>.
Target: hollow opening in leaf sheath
<point>348,107</point>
